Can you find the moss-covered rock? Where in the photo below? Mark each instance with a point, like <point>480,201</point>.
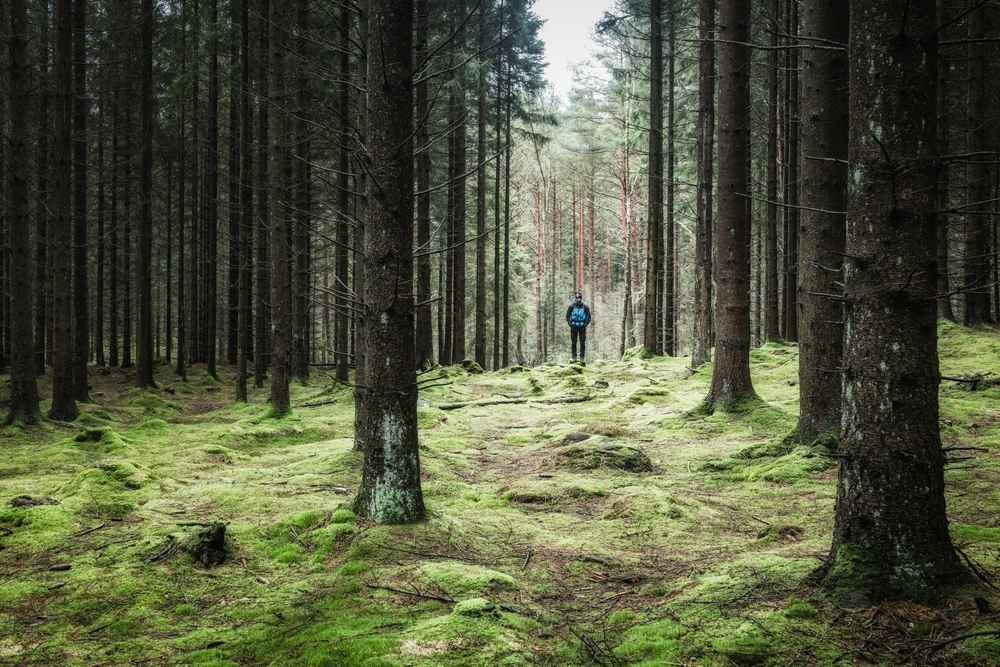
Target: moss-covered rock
<point>590,455</point>
<point>457,579</point>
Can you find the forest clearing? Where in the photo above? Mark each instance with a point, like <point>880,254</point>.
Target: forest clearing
<point>626,529</point>
<point>500,332</point>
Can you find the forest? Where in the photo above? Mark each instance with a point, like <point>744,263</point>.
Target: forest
<point>338,332</point>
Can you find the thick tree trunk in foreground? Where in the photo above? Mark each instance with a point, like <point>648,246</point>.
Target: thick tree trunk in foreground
<point>390,485</point>
<point>825,110</point>
<point>654,210</point>
<point>891,531</point>
<point>144,376</point>
<point>701,350</point>
<point>23,389</point>
<point>63,396</point>
<point>731,373</point>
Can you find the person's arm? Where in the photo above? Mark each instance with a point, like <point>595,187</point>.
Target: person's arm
<point>589,318</point>
<point>569,311</point>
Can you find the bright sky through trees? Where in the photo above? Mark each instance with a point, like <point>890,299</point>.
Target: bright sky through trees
<point>568,35</point>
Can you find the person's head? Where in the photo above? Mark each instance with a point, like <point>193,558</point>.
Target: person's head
<point>578,298</point>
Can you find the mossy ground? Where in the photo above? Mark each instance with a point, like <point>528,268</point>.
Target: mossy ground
<point>528,556</point>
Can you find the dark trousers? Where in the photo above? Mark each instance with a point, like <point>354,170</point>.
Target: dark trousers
<point>581,335</point>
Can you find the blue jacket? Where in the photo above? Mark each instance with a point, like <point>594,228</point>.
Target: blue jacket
<point>586,309</point>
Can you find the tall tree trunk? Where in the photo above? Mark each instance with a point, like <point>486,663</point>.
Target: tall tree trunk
<point>826,112</point>
<point>508,147</point>
<point>424,334</point>
<point>301,203</point>
<point>390,485</point>
<point>42,165</point>
<point>792,159</point>
<point>81,309</point>
<point>235,207</point>
<point>481,90</point>
<point>144,376</point>
<point>212,195</point>
<point>498,331</point>
<point>23,387</point>
<point>64,406</point>
<point>345,303</point>
<point>101,239</point>
<point>670,232</point>
<point>977,226</point>
<point>182,347</point>
<point>281,275</point>
<point>701,350</point>
<point>246,199</point>
<point>654,212</point>
<point>114,238</point>
<point>731,373</point>
<point>771,319</point>
<point>168,274</point>
<point>891,531</point>
<point>270,51</point>
<point>458,296</point>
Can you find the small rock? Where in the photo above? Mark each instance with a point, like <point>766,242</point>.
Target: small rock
<point>60,567</point>
<point>574,437</point>
<point>472,367</point>
<point>601,384</point>
<point>475,607</point>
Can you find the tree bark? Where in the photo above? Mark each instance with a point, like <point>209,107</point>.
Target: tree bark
<point>234,210</point>
<point>42,165</point>
<point>345,303</point>
<point>246,199</point>
<point>792,158</point>
<point>212,195</point>
<point>81,296</point>
<point>64,406</point>
<point>182,347</point>
<point>701,350</point>
<point>654,211</point>
<point>825,112</point>
<point>390,486</point>
<point>771,320</point>
<point>459,206</point>
<point>301,203</point>
<point>480,324</point>
<point>270,52</point>
<point>670,232</point>
<point>891,531</point>
<point>23,388</point>
<point>731,373</point>
<point>144,375</point>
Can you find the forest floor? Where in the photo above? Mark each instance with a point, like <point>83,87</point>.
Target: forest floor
<point>622,529</point>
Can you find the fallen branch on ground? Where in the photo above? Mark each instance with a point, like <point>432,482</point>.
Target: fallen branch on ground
<point>559,400</point>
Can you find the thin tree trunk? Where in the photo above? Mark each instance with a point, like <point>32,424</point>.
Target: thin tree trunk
<point>43,195</point>
<point>771,319</point>
<point>235,207</point>
<point>654,212</point>
<point>212,195</point>
<point>303,215</point>
<point>101,240</point>
<point>270,52</point>
<point>182,349</point>
<point>458,297</point>
<point>891,530</point>
<point>701,350</point>
<point>424,334</point>
<point>246,199</point>
<point>390,485</point>
<point>480,324</point>
<point>81,310</point>
<point>670,250</point>
<point>508,147</point>
<point>731,373</point>
<point>792,157</point>
<point>144,376</point>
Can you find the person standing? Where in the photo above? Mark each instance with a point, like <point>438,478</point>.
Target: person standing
<point>578,318</point>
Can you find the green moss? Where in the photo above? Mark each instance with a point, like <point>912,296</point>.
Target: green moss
<point>745,645</point>
<point>801,610</point>
<point>343,516</point>
<point>652,644</point>
<point>588,456</point>
<point>461,578</point>
<point>475,607</point>
<point>976,534</point>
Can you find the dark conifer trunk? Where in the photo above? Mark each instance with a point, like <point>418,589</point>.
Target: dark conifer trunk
<point>701,350</point>
<point>81,296</point>
<point>23,399</point>
<point>891,531</point>
<point>114,237</point>
<point>731,373</point>
<point>458,279</point>
<point>270,50</point>
<point>654,213</point>
<point>64,406</point>
<point>344,302</point>
<point>481,90</point>
<point>825,111</point>
<point>182,346</point>
<point>670,232</point>
<point>792,160</point>
<point>144,375</point>
<point>390,486</point>
<point>301,202</point>
<point>246,199</point>
<point>235,211</point>
<point>102,240</point>
<point>281,287</point>
<point>212,194</point>
<point>771,328</point>
<point>43,194</point>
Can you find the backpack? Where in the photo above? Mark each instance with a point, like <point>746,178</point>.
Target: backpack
<point>578,317</point>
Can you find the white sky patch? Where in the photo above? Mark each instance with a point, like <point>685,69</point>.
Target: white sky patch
<point>568,36</point>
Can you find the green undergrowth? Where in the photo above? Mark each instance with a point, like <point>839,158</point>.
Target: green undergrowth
<point>628,527</point>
